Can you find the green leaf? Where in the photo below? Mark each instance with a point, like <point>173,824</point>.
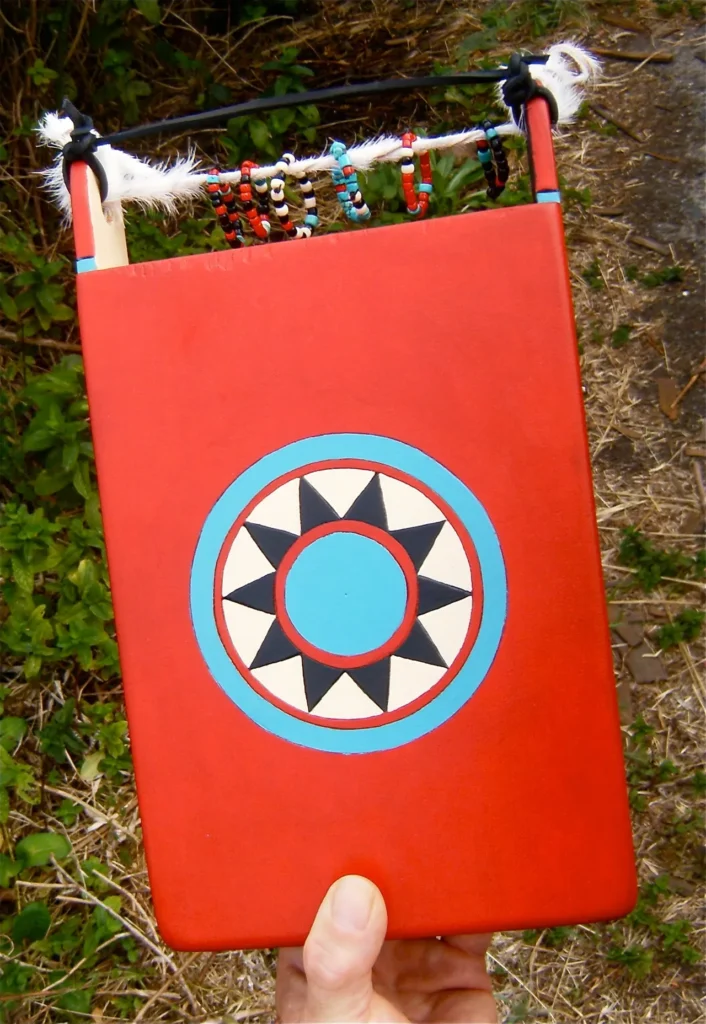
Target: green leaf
<point>309,114</point>
<point>8,869</point>
<point>4,805</point>
<point>31,923</point>
<point>50,483</point>
<point>32,666</point>
<point>36,850</point>
<point>259,133</point>
<point>149,9</point>
<point>63,312</point>
<point>69,455</point>
<point>23,575</point>
<point>82,479</point>
<point>89,769</point>
<point>93,515</point>
<point>478,42</point>
<point>77,1002</point>
<point>8,306</point>
<point>11,731</point>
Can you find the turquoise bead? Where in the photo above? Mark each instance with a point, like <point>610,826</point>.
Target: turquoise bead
<point>424,187</point>
<point>311,220</point>
<point>485,156</point>
<point>491,133</point>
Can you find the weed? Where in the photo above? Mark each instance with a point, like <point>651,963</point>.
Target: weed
<point>553,938</point>
<point>685,628</point>
<point>266,136</point>
<point>578,196</point>
<point>661,940</point>
<point>644,770</point>
<point>593,277</point>
<point>636,959</point>
<point>653,564</point>
<point>621,335</point>
<point>669,275</point>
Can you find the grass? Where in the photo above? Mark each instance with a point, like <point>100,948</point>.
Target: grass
<point>77,935</point>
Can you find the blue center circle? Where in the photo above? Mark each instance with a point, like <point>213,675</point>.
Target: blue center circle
<point>346,594</point>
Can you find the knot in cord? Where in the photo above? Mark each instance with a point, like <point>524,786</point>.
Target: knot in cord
<point>82,147</point>
<point>520,87</point>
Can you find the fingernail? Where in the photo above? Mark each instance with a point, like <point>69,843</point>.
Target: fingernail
<point>352,903</point>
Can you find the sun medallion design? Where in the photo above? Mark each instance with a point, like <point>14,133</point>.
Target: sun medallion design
<point>347,593</point>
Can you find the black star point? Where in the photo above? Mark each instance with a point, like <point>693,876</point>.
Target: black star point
<point>319,677</point>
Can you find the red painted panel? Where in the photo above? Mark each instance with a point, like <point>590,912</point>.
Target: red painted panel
<point>456,337</point>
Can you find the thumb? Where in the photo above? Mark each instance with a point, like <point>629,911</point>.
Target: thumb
<point>342,947</point>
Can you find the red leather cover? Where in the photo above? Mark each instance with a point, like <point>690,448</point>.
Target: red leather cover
<point>440,355</point>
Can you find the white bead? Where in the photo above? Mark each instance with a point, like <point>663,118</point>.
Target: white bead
<point>406,151</point>
<point>277,195</point>
<point>306,186</point>
<point>407,168</point>
<point>304,231</point>
<point>309,202</point>
<point>282,210</point>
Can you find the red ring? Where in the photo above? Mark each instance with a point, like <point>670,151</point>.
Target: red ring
<point>402,559</point>
<point>459,660</point>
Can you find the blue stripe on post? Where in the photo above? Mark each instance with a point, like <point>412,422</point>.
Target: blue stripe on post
<point>86,263</point>
<point>551,196</point>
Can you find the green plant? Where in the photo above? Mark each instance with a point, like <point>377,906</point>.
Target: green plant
<point>644,769</point>
<point>551,937</point>
<point>685,628</point>
<point>653,564</point>
<point>533,17</point>
<point>665,941</point>
<point>51,546</point>
<point>592,276</point>
<point>265,136</point>
<point>621,335</point>
<point>669,275</point>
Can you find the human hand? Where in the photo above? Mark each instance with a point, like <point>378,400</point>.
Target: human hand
<point>346,972</point>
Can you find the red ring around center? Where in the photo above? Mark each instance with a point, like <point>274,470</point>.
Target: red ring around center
<point>401,557</point>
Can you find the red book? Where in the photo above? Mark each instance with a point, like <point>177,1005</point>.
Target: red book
<point>354,559</point>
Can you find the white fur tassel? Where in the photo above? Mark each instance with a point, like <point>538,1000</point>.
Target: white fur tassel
<point>560,76</point>
<point>567,73</point>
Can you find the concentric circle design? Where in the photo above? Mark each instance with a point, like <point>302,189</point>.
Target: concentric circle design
<point>348,593</point>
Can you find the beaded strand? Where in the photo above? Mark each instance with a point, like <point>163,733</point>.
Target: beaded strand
<point>345,181</point>
<point>223,202</point>
<point>257,215</point>
<point>496,174</point>
<point>417,201</point>
<point>311,218</point>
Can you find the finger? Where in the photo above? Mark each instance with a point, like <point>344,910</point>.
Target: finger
<point>428,966</point>
<point>464,1008</point>
<point>474,944</point>
<point>342,947</point>
<point>290,994</point>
